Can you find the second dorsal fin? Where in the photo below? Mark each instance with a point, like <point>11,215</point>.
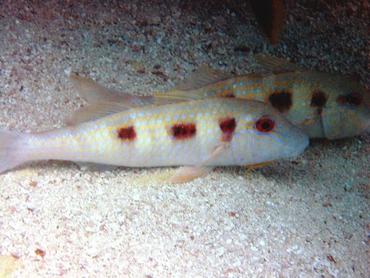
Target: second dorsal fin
<point>188,89</point>
<point>275,64</point>
<point>203,76</point>
<point>178,95</point>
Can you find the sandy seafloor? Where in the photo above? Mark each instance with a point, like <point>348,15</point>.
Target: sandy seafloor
<point>305,217</point>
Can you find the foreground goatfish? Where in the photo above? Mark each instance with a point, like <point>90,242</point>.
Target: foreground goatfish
<point>322,104</point>
<point>198,134</point>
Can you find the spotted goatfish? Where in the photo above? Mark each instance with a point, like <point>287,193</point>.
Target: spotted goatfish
<point>322,104</point>
<point>195,134</point>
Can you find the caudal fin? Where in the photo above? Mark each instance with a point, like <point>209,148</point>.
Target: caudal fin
<point>11,152</point>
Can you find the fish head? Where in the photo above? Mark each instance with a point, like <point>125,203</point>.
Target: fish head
<point>268,135</point>
<point>347,111</point>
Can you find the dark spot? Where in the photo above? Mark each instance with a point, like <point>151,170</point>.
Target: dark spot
<point>265,124</point>
<point>126,133</point>
<point>354,99</point>
<point>227,127</point>
<point>229,94</point>
<point>331,258</point>
<point>232,213</point>
<point>281,100</point>
<point>183,131</point>
<point>161,74</point>
<point>33,183</point>
<point>40,252</point>
<point>318,100</point>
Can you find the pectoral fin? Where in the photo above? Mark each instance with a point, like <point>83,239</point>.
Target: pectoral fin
<point>256,166</point>
<point>189,173</point>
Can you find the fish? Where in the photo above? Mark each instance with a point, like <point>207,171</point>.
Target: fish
<point>324,105</point>
<point>271,15</point>
<point>195,135</point>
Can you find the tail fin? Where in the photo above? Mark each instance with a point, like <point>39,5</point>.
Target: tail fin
<point>11,153</point>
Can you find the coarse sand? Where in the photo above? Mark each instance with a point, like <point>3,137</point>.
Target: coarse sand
<point>304,217</point>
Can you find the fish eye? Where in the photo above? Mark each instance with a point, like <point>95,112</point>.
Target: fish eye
<point>265,124</point>
<point>353,98</point>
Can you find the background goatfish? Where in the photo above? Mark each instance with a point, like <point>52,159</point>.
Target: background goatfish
<point>322,104</point>
<point>198,134</point>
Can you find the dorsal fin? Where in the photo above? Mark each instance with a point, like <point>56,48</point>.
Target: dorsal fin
<point>187,90</point>
<point>275,64</point>
<point>203,76</point>
<point>103,101</point>
<point>178,95</point>
<point>94,93</point>
<point>94,112</point>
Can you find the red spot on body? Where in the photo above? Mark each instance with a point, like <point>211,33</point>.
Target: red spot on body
<point>281,100</point>
<point>183,131</point>
<point>126,133</point>
<point>227,127</point>
<point>318,100</point>
<point>354,99</point>
<point>265,124</point>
